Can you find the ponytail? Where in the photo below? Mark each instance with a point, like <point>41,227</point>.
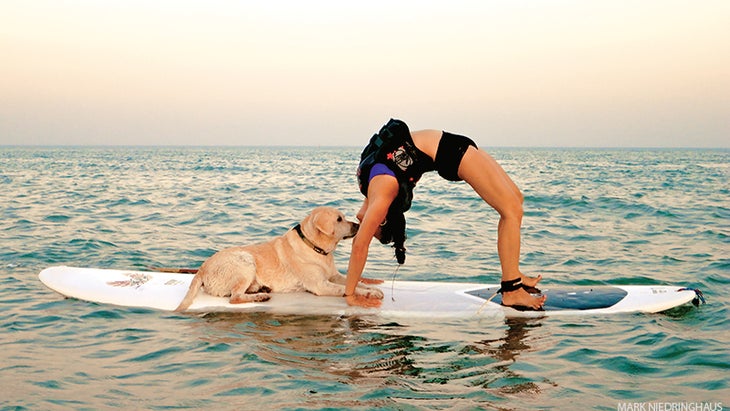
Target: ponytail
<point>394,231</point>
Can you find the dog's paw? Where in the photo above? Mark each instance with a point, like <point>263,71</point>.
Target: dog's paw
<point>261,297</point>
<point>249,298</point>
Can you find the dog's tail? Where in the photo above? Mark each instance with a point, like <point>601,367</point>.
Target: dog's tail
<point>192,292</point>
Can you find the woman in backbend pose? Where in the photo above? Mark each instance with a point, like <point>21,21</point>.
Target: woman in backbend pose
<point>391,165</point>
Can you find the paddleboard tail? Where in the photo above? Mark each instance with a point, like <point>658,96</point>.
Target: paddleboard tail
<point>699,297</point>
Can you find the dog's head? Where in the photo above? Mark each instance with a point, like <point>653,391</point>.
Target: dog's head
<point>326,226</point>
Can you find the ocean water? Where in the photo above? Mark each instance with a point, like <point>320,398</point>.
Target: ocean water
<point>591,217</point>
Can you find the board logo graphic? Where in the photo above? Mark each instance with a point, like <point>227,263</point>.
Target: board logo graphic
<point>136,280</point>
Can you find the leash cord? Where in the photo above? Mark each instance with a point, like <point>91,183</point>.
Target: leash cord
<point>392,283</point>
<point>488,300</point>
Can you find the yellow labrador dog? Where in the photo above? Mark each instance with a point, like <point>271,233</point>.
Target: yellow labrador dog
<point>300,260</point>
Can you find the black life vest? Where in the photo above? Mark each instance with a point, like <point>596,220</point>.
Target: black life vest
<point>394,147</point>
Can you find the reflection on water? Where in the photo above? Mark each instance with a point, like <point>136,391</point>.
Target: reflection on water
<point>507,350</point>
<point>364,351</point>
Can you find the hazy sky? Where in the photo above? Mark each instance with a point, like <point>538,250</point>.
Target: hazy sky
<point>648,73</point>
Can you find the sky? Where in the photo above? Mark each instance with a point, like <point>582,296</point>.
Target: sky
<point>511,73</point>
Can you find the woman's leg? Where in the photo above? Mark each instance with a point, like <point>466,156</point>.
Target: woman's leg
<point>495,187</point>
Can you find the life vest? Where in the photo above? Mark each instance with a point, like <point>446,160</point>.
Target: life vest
<point>394,147</point>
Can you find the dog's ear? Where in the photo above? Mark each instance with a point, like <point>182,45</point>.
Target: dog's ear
<point>325,223</point>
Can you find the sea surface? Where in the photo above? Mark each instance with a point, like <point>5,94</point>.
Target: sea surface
<point>603,216</point>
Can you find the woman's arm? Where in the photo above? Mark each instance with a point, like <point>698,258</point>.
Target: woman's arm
<point>382,190</point>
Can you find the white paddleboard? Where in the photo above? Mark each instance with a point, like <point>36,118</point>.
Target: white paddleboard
<point>164,291</point>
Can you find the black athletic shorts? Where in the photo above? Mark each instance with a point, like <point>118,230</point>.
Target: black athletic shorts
<point>452,148</point>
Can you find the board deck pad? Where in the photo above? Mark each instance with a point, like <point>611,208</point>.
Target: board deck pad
<point>568,298</point>
<point>409,299</point>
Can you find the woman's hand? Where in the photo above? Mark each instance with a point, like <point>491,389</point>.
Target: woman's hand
<point>363,301</point>
<point>371,280</point>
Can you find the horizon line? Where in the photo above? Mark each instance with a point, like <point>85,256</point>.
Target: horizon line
<point>346,146</point>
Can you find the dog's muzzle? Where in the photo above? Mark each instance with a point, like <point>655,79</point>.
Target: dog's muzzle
<point>353,230</point>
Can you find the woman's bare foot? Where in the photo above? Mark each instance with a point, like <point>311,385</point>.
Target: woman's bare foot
<point>530,281</point>
<point>522,298</point>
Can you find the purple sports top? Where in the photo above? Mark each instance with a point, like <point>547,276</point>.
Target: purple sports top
<point>380,169</point>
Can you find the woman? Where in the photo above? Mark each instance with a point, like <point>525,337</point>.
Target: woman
<point>391,165</point>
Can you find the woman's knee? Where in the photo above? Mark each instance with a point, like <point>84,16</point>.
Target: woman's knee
<point>513,209</point>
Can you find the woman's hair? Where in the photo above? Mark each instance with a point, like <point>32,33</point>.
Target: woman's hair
<point>393,230</point>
